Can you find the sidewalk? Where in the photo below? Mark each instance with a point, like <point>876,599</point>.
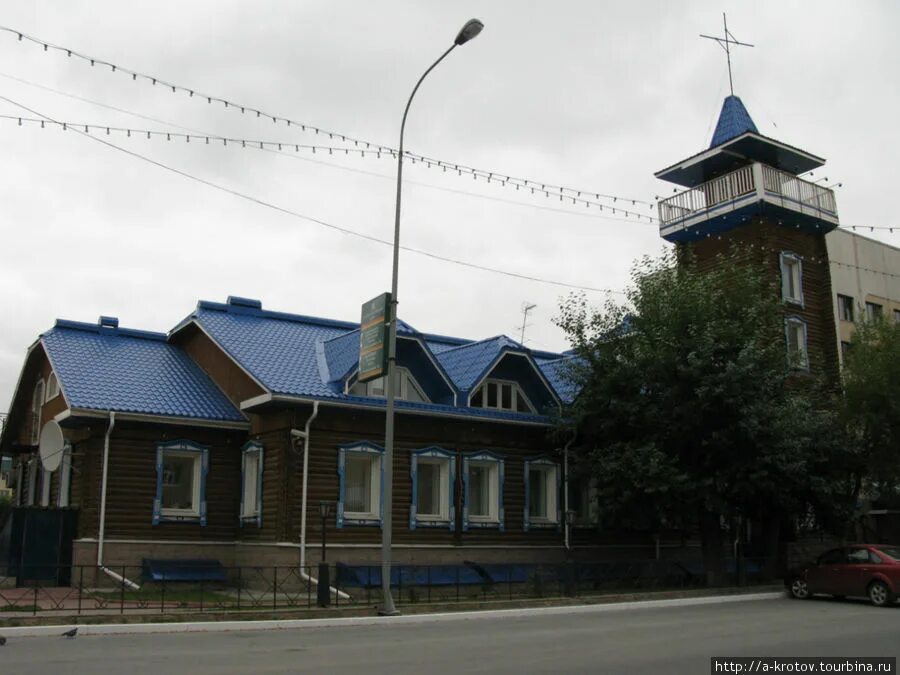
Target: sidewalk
<point>116,624</point>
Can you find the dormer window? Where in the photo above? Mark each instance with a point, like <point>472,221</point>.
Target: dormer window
<point>501,395</point>
<point>405,387</point>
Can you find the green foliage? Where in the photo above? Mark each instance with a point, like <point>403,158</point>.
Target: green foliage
<point>688,403</point>
<point>872,404</point>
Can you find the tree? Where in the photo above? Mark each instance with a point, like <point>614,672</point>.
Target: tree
<point>871,407</point>
<point>688,407</point>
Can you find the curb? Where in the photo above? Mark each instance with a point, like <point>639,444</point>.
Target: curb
<point>285,624</point>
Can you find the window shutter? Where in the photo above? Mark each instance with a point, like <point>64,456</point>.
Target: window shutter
<point>204,471</point>
<point>259,486</point>
<point>526,496</point>
<point>157,503</point>
<point>500,511</point>
<point>413,472</point>
<point>241,510</point>
<point>465,509</point>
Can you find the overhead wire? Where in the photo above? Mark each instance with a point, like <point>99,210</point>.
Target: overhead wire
<point>318,221</point>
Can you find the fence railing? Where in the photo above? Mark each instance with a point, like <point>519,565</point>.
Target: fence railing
<point>272,589</point>
<point>741,182</point>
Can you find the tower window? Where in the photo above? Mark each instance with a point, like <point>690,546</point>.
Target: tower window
<point>845,307</point>
<point>791,278</point>
<point>795,333</point>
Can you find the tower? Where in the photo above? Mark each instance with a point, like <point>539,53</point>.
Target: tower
<point>745,191</point>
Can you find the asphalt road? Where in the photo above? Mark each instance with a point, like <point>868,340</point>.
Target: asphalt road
<point>646,640</point>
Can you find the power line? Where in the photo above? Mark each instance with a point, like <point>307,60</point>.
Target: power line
<point>563,193</point>
<point>295,214</point>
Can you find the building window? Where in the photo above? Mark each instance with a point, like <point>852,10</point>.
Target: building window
<point>65,478</point>
<point>52,387</point>
<point>37,400</point>
<point>897,316</point>
<point>541,494</point>
<point>874,311</point>
<point>181,471</point>
<point>433,477</point>
<point>405,387</point>
<point>482,491</point>
<point>583,499</point>
<point>501,395</point>
<point>361,475</point>
<point>251,483</point>
<point>845,348</point>
<point>795,332</point>
<point>791,278</point>
<point>845,307</point>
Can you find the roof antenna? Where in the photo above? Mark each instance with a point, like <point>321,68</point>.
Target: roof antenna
<point>526,307</point>
<point>725,44</point>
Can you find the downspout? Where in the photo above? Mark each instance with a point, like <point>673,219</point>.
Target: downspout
<point>102,530</point>
<point>297,434</point>
<point>566,491</point>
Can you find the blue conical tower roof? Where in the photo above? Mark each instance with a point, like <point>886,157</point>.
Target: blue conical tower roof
<point>734,120</point>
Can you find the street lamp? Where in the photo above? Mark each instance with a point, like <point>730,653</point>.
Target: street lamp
<point>469,31</point>
<point>324,588</point>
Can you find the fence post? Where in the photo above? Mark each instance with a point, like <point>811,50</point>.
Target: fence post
<point>201,595</point>
<point>509,580</point>
<point>457,583</point>
<point>275,587</point>
<point>239,583</point>
<point>337,589</point>
<point>428,582</point>
<point>162,595</point>
<point>308,588</point>
<point>122,593</point>
<point>399,584</point>
<point>35,600</point>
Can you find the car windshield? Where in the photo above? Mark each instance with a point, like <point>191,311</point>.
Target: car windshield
<point>891,551</point>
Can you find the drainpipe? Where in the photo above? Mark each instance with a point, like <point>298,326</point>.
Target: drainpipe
<point>566,491</point>
<point>296,435</point>
<point>102,530</point>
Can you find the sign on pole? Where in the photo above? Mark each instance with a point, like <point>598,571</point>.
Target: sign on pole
<point>373,338</point>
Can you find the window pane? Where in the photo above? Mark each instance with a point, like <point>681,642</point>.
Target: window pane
<point>479,490</point>
<point>357,484</point>
<point>478,398</point>
<point>251,475</point>
<point>178,482</point>
<point>492,394</point>
<point>428,489</point>
<point>537,493</point>
<point>506,393</point>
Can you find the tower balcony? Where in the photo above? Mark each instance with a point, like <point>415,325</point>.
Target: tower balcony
<point>733,198</point>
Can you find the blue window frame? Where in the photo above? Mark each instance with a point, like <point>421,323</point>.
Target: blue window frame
<point>251,483</point>
<point>181,470</point>
<point>542,490</point>
<point>433,472</point>
<point>483,474</point>
<point>361,481</point>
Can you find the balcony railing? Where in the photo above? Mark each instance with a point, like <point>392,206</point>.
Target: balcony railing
<point>766,181</point>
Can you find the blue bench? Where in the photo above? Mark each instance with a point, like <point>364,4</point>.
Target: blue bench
<point>182,570</point>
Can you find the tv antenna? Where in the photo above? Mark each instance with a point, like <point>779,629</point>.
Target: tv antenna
<point>526,307</point>
<point>725,43</point>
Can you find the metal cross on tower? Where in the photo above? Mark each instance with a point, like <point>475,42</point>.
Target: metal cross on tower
<point>725,43</point>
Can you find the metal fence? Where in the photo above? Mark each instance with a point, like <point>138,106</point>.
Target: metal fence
<point>123,590</point>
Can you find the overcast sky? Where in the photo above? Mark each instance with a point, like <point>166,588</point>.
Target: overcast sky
<point>594,95</point>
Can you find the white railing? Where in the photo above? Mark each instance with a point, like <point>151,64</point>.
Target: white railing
<point>742,182</point>
<point>704,197</point>
<point>790,187</point>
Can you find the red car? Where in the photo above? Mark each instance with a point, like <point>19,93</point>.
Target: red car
<point>864,570</point>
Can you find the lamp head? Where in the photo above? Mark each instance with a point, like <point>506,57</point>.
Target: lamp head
<point>469,31</point>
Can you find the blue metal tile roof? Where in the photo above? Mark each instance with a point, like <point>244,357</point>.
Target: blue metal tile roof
<point>110,368</point>
<point>557,373</point>
<point>734,120</point>
<point>308,357</point>
<point>467,363</point>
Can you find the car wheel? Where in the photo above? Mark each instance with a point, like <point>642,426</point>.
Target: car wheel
<point>799,589</point>
<point>879,594</point>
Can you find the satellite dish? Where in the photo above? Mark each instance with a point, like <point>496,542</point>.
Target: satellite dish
<point>51,447</point>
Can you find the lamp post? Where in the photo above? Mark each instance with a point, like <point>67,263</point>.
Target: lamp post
<point>323,590</point>
<point>469,31</point>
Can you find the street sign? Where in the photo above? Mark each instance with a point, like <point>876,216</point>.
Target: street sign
<point>373,338</point>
